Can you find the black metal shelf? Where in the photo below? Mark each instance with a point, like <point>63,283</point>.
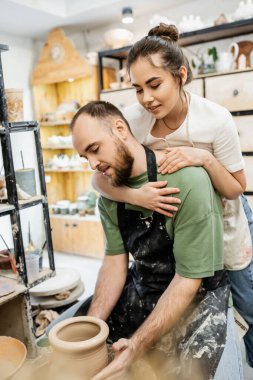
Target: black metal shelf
<point>6,209</point>
<point>6,129</point>
<point>4,47</point>
<point>217,32</point>
<point>247,153</point>
<point>21,126</point>
<point>44,275</point>
<point>242,113</point>
<point>248,193</point>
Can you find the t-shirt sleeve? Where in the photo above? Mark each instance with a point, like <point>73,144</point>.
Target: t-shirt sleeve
<point>227,148</point>
<point>108,215</point>
<point>198,230</point>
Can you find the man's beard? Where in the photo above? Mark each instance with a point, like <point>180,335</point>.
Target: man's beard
<point>123,164</point>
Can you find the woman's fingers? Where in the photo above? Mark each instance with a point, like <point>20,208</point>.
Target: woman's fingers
<point>168,191</point>
<point>167,163</point>
<point>175,165</point>
<point>164,212</point>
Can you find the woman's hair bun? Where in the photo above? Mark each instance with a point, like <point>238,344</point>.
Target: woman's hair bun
<point>165,31</point>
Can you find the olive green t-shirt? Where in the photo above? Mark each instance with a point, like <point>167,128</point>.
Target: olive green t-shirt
<point>196,228</point>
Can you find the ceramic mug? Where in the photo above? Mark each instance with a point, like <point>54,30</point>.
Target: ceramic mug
<point>226,61</point>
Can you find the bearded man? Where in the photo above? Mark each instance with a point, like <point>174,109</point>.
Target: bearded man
<point>173,299</point>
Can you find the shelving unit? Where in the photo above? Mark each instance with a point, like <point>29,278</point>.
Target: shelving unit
<point>52,88</point>
<point>212,33</point>
<point>15,309</point>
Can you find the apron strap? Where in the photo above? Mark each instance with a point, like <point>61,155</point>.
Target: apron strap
<point>151,164</point>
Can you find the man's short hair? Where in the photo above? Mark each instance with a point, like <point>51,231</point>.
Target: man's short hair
<point>99,109</point>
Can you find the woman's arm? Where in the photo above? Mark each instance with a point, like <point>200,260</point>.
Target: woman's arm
<point>153,196</point>
<point>229,185</point>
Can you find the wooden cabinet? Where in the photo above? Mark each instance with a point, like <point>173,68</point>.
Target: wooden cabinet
<point>249,172</point>
<point>196,87</point>
<point>83,236</point>
<point>245,130</point>
<point>233,91</point>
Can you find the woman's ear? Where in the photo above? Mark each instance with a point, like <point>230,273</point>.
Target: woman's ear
<point>183,74</point>
<point>120,128</point>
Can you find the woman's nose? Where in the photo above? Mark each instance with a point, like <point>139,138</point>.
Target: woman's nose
<point>147,97</point>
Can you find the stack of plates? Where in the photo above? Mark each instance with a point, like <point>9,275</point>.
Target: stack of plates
<point>43,295</point>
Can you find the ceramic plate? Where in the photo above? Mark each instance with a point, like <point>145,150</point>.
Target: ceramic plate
<point>65,279</point>
<point>51,302</point>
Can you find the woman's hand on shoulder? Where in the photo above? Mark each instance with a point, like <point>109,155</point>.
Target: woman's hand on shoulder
<point>179,157</point>
<point>156,196</point>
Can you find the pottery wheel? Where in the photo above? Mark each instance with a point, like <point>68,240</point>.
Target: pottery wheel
<point>65,279</point>
<point>51,302</point>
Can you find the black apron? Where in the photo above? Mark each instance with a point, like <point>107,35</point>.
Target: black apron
<point>198,339</point>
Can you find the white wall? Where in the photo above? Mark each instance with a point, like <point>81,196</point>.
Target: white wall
<point>18,64</point>
<point>208,10</point>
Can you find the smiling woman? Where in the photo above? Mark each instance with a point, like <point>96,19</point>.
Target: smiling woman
<point>192,131</point>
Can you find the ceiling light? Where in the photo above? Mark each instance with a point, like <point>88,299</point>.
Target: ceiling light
<point>127,15</point>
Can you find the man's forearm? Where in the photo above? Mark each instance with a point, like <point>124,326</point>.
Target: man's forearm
<point>170,307</point>
<point>109,286</point>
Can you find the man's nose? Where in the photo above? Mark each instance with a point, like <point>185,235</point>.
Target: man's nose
<point>93,163</point>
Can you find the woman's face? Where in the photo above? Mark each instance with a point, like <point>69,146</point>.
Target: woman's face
<point>156,89</point>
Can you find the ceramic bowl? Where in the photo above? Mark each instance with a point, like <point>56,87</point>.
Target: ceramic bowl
<point>114,85</point>
<point>116,38</point>
<point>12,356</point>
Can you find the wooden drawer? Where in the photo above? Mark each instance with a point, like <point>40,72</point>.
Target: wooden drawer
<point>249,172</point>
<point>245,129</point>
<point>233,91</point>
<point>196,87</point>
<point>120,98</point>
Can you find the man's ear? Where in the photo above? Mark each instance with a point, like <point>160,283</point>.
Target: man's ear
<point>120,129</point>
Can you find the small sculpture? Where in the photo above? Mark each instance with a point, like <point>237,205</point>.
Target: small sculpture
<point>222,19</point>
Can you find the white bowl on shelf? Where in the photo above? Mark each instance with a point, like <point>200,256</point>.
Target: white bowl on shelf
<point>115,85</point>
<point>119,37</point>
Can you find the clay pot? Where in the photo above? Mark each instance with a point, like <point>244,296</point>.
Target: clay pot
<point>79,347</point>
<point>14,99</point>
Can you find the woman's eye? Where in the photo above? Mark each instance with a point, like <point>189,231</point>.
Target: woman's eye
<point>94,150</point>
<point>155,85</point>
<point>138,91</point>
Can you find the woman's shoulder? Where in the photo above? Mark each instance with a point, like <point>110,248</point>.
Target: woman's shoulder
<point>140,121</point>
<point>203,106</point>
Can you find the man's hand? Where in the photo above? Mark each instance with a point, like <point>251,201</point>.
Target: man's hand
<point>180,157</point>
<point>156,197</point>
<point>118,368</point>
